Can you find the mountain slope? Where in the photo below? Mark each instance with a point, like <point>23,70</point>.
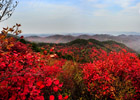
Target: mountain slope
<point>82,50</point>
<point>132,41</point>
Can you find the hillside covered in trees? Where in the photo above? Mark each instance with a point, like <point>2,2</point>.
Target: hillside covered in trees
<point>78,70</point>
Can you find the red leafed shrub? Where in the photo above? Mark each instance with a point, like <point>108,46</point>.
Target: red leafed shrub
<point>113,76</point>
<point>24,74</point>
<point>19,47</point>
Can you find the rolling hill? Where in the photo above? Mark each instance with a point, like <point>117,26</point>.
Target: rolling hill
<point>132,41</point>
<point>82,50</point>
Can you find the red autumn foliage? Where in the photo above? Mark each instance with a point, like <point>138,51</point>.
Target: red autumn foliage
<point>25,74</point>
<point>28,75</point>
<point>51,97</point>
<point>108,72</point>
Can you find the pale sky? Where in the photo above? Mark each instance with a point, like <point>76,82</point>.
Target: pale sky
<point>76,16</point>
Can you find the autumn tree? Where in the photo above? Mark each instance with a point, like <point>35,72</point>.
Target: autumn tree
<point>7,8</point>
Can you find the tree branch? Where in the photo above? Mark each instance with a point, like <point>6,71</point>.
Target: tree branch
<point>7,8</point>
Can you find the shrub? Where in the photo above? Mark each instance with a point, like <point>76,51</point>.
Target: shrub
<point>113,76</point>
<point>25,74</point>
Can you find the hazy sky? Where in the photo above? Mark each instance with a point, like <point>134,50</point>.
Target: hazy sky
<point>67,16</point>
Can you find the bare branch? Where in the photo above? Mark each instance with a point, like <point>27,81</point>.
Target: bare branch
<point>7,8</point>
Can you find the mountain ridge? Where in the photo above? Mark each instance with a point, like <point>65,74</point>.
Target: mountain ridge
<point>132,41</point>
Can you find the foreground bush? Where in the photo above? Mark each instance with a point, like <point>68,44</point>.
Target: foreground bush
<point>24,74</point>
<point>113,76</point>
